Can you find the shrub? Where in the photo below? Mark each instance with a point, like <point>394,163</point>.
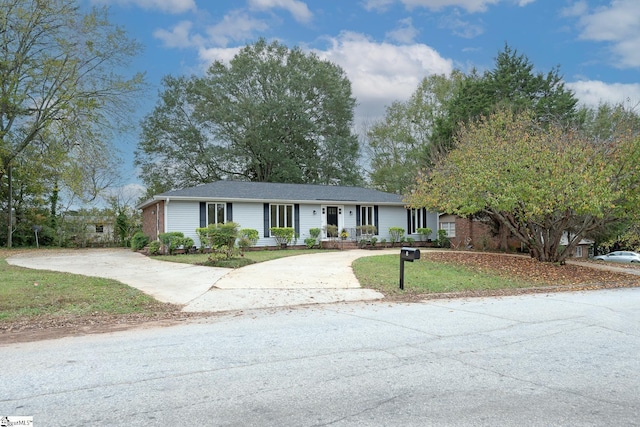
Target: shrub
<point>310,242</point>
<point>383,242</point>
<point>332,230</point>
<point>154,248</point>
<point>139,241</point>
<point>424,233</point>
<point>172,240</point>
<point>411,241</point>
<point>248,237</point>
<point>442,240</point>
<point>314,232</point>
<point>220,238</point>
<point>366,230</point>
<point>395,233</point>
<point>282,235</point>
<point>374,240</point>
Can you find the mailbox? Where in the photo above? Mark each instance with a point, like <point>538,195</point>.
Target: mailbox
<point>409,254</point>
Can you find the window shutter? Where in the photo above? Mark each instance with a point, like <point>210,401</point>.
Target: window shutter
<point>229,212</point>
<point>203,214</point>
<point>375,218</point>
<point>358,215</point>
<point>266,220</point>
<point>296,218</point>
<point>409,221</point>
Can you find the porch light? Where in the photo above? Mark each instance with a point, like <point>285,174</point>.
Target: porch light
<point>350,212</point>
<point>314,211</point>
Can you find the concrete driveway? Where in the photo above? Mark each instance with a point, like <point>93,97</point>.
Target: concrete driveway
<point>302,279</point>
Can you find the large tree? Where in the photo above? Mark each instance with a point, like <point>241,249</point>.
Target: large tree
<point>272,114</point>
<point>541,180</point>
<point>397,144</point>
<point>57,65</point>
<point>513,84</point>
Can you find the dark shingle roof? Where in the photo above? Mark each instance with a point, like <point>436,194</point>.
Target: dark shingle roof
<point>268,191</point>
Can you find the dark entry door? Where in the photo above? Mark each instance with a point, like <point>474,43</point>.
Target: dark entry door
<point>332,216</point>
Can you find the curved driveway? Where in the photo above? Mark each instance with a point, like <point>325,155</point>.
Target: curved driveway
<point>302,279</point>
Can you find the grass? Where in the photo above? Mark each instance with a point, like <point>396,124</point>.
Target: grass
<point>422,276</point>
<point>249,257</point>
<point>26,293</point>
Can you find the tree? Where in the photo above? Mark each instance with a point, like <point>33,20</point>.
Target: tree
<point>272,114</point>
<point>511,84</point>
<point>541,180</point>
<point>397,144</point>
<point>57,65</point>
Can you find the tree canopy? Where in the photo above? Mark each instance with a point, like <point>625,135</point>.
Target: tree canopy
<point>58,85</point>
<point>272,114</point>
<point>545,181</point>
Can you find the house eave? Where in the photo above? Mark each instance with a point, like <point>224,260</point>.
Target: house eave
<point>155,199</point>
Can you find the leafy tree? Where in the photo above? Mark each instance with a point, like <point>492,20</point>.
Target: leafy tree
<point>512,84</point>
<point>397,143</point>
<point>272,114</point>
<point>57,66</point>
<point>540,180</point>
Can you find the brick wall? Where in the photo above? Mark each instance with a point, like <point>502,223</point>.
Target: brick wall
<point>153,220</point>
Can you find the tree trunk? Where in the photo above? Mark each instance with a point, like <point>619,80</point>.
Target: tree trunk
<point>9,206</point>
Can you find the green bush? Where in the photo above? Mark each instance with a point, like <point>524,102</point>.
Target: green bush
<point>310,242</point>
<point>411,241</point>
<point>395,234</point>
<point>154,248</point>
<point>424,233</point>
<point>171,241</point>
<point>365,230</point>
<point>220,238</point>
<point>332,230</point>
<point>374,240</point>
<point>314,232</point>
<point>442,240</point>
<point>139,241</point>
<point>247,237</point>
<point>282,235</point>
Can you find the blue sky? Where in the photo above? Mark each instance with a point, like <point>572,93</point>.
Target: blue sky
<point>387,46</point>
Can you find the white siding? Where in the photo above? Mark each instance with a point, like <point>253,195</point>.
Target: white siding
<point>391,216</point>
<point>184,217</point>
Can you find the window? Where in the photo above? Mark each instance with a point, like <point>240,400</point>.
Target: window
<point>216,213</point>
<point>449,227</point>
<point>418,220</point>
<point>99,228</point>
<point>281,215</point>
<point>366,215</point>
<point>578,251</point>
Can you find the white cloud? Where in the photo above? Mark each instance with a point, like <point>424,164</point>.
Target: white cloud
<point>381,73</point>
<point>460,27</point>
<point>178,37</point>
<point>470,6</point>
<point>166,6</point>
<point>298,9</point>
<point>592,93</point>
<point>235,26</point>
<point>617,24</point>
<point>405,33</point>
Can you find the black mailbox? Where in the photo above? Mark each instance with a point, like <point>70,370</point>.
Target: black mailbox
<point>409,254</point>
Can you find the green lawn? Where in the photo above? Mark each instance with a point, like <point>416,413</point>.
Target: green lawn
<point>249,257</point>
<point>26,293</point>
<point>382,273</point>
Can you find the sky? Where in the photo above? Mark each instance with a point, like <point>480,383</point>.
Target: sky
<point>386,47</point>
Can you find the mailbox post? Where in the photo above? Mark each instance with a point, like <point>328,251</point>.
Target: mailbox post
<point>407,254</point>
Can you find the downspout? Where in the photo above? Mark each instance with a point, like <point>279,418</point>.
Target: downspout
<point>157,219</point>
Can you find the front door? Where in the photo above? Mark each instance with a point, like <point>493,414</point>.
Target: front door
<point>332,216</point>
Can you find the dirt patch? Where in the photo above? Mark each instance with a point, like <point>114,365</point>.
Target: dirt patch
<point>53,327</point>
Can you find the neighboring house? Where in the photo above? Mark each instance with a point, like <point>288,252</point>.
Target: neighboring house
<point>262,205</point>
<point>88,230</point>
<point>469,232</point>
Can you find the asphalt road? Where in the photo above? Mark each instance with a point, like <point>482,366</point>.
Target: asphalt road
<point>538,360</point>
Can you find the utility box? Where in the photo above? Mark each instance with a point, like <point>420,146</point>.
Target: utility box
<point>409,254</point>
